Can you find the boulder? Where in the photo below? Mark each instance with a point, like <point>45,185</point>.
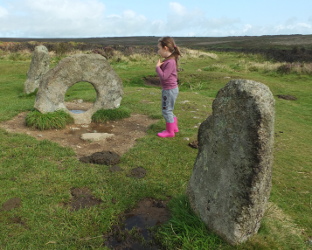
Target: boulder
<point>231,180</point>
<point>91,68</point>
<point>39,65</point>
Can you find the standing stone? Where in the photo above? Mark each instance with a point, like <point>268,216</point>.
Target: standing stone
<point>231,180</point>
<point>91,68</point>
<point>38,67</point>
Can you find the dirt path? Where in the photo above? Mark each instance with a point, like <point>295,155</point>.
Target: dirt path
<point>125,131</point>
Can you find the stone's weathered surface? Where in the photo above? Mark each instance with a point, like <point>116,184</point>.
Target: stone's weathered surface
<point>231,180</point>
<point>96,136</point>
<point>91,68</point>
<point>38,67</point>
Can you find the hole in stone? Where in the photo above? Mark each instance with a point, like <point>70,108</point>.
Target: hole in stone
<point>80,97</point>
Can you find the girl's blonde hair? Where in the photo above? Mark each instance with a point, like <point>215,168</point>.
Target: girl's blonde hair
<point>171,45</point>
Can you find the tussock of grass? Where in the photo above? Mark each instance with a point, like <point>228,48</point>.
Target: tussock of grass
<point>276,223</point>
<point>52,120</point>
<point>192,53</point>
<point>105,115</point>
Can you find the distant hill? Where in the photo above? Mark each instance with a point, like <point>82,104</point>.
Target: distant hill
<point>281,47</point>
<point>280,41</point>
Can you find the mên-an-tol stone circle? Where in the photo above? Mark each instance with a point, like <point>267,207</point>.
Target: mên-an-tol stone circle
<point>231,180</point>
<point>91,68</point>
<point>39,66</point>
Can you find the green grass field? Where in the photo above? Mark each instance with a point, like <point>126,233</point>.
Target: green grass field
<point>41,173</point>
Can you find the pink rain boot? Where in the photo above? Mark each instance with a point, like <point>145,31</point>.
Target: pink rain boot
<point>176,129</point>
<point>169,130</point>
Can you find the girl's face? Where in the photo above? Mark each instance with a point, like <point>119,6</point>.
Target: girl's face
<point>163,51</point>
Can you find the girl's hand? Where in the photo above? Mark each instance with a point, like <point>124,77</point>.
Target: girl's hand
<point>159,63</point>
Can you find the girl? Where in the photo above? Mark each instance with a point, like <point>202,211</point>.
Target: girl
<point>167,72</point>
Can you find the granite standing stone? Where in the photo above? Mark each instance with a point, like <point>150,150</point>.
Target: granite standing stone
<point>38,67</point>
<point>231,180</point>
<point>91,68</point>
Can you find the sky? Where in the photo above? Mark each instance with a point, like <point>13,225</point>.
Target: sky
<point>177,18</point>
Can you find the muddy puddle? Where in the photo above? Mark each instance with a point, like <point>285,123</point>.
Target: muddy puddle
<point>134,231</point>
<point>77,111</point>
<point>135,227</point>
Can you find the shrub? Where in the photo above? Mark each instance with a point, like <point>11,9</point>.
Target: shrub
<point>284,68</point>
<point>52,120</point>
<point>104,115</point>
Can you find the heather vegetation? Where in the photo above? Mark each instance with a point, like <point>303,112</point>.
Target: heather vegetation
<point>37,176</point>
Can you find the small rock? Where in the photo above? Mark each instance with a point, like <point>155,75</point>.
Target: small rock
<point>74,128</point>
<point>186,101</point>
<point>193,144</point>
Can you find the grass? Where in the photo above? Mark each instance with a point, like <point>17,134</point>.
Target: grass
<point>104,115</point>
<point>41,173</point>
<point>185,230</point>
<point>52,120</point>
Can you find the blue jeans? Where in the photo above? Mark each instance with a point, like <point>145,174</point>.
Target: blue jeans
<point>169,97</point>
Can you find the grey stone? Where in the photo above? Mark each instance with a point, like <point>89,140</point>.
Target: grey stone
<point>231,180</point>
<point>38,67</point>
<point>91,68</point>
<point>95,136</point>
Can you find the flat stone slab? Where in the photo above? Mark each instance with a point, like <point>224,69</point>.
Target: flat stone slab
<point>96,136</point>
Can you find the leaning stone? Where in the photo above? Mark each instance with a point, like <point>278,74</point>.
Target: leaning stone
<point>231,180</point>
<point>91,68</point>
<point>96,136</point>
<point>38,67</point>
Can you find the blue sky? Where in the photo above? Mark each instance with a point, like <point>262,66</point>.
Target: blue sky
<point>108,18</point>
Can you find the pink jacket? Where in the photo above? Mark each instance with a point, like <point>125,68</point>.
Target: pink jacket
<point>168,74</point>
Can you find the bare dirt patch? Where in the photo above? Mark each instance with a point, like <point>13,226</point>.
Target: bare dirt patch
<point>126,132</point>
<point>82,198</point>
<point>134,228</point>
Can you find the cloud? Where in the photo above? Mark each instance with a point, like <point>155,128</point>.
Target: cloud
<point>295,28</point>
<point>69,18</point>
<point>52,18</point>
<point>88,18</point>
<point>126,24</point>
<point>194,22</point>
<point>3,12</point>
<point>178,8</point>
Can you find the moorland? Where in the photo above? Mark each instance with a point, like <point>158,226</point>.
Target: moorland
<point>40,178</point>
